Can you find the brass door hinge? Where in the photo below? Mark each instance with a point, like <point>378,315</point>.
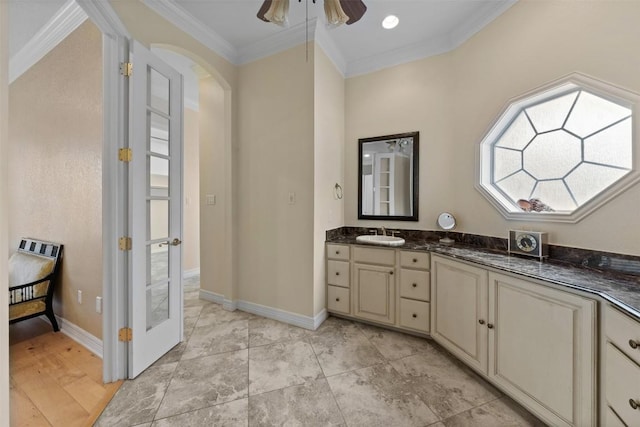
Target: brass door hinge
<point>125,154</point>
<point>125,334</point>
<point>126,69</point>
<point>124,243</point>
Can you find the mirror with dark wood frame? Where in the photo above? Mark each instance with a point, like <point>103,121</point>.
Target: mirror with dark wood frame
<point>388,177</point>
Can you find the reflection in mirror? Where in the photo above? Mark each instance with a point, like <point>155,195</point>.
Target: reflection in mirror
<point>388,177</point>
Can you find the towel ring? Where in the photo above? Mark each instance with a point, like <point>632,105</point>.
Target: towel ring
<point>338,191</point>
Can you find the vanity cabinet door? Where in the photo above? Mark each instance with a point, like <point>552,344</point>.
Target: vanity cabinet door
<point>374,293</point>
<point>542,349</point>
<point>459,310</point>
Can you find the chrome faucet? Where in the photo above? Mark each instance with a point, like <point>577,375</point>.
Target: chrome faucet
<point>384,231</point>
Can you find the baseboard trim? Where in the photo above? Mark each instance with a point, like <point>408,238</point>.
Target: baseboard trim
<point>187,274</point>
<point>79,335</point>
<point>211,296</point>
<point>306,322</point>
<point>284,316</point>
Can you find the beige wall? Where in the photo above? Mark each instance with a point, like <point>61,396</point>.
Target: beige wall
<point>276,157</point>
<point>55,168</point>
<point>191,185</point>
<point>454,98</point>
<point>212,180</point>
<point>4,303</point>
<point>149,28</point>
<point>328,165</point>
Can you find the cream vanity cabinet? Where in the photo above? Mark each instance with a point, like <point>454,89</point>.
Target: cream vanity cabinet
<point>621,369</point>
<point>338,279</point>
<point>536,342</point>
<point>374,284</point>
<point>386,286</point>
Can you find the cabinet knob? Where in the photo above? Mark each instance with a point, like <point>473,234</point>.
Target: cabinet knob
<point>634,344</point>
<point>634,404</point>
<point>415,315</point>
<point>490,325</point>
<point>415,285</point>
<point>337,299</point>
<point>337,252</point>
<point>337,273</point>
<point>391,273</point>
<point>415,260</point>
<point>481,321</point>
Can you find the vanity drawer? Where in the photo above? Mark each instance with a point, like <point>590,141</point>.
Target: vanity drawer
<point>374,256</point>
<point>338,273</point>
<point>414,314</point>
<point>623,386</point>
<point>414,259</point>
<point>338,299</point>
<point>624,332</point>
<point>337,251</point>
<point>415,284</point>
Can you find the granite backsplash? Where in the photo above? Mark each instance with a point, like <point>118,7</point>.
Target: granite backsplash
<point>627,266</point>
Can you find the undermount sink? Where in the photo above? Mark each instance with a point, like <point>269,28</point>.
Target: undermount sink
<point>381,240</point>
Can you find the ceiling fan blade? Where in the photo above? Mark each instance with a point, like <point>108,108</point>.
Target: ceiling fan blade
<point>355,9</point>
<point>263,9</point>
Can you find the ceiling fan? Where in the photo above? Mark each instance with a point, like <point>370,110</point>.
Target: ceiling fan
<point>338,12</point>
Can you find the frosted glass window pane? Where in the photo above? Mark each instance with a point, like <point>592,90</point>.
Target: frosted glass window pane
<point>551,115</point>
<point>518,134</point>
<point>157,305</point>
<point>158,263</point>
<point>384,194</point>
<point>384,209</point>
<point>158,219</point>
<point>506,162</point>
<point>611,146</point>
<point>552,155</point>
<point>588,180</point>
<point>158,172</point>
<point>159,134</point>
<point>384,179</point>
<point>593,113</point>
<point>555,195</point>
<point>384,164</point>
<point>563,149</point>
<point>158,91</point>
<point>518,186</point>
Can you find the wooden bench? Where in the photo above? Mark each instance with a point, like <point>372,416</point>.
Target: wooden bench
<point>33,270</point>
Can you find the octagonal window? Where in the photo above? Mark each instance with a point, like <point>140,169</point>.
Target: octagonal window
<point>560,152</point>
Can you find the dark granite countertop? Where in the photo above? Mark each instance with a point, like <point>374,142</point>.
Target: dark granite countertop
<point>621,290</point>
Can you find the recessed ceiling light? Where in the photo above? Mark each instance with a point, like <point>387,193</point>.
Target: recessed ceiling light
<point>390,22</point>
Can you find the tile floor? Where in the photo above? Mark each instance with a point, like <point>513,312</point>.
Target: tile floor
<point>237,369</point>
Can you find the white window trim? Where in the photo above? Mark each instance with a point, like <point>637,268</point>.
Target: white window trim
<point>575,80</point>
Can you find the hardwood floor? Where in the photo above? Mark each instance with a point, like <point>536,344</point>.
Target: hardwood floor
<point>54,381</point>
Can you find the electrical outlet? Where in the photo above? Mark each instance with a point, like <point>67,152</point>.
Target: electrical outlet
<point>79,296</point>
<point>98,304</point>
<point>211,199</point>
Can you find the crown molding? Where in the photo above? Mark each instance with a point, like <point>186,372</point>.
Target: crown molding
<point>324,40</point>
<point>479,21</point>
<point>297,34</point>
<point>412,52</point>
<point>173,13</point>
<point>278,42</point>
<point>103,15</point>
<point>63,23</point>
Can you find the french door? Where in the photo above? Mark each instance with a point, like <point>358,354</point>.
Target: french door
<point>155,200</point>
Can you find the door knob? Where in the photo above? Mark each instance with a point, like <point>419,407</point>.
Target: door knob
<point>174,242</point>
